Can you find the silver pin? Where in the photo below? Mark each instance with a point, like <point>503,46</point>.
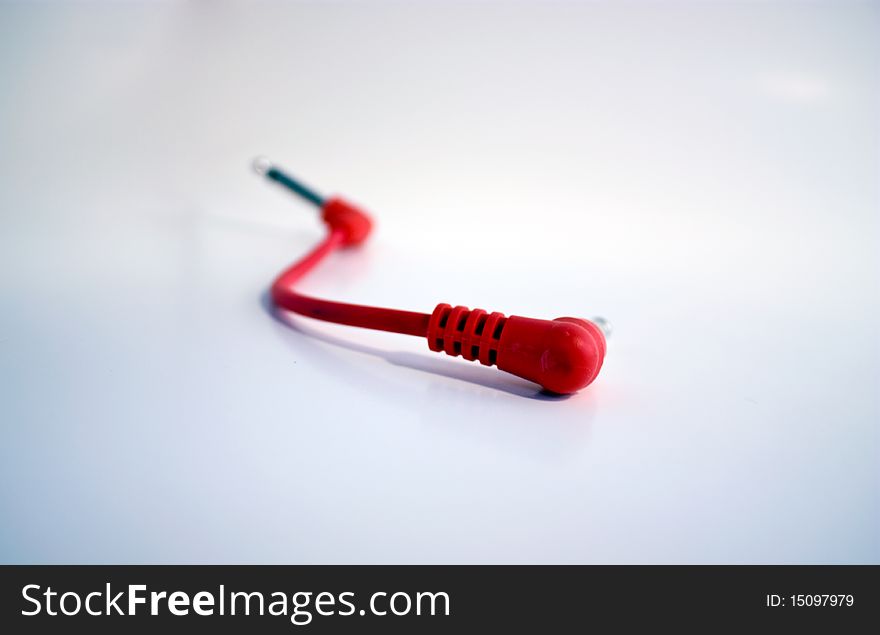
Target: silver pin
<point>603,324</point>
<point>261,165</point>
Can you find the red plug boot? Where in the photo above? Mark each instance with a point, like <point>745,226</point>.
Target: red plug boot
<point>342,216</point>
<point>562,355</point>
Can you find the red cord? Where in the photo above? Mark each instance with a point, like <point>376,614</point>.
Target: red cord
<point>370,317</point>
<point>562,355</point>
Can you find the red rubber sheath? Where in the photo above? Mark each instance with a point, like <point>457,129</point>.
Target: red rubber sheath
<point>368,317</point>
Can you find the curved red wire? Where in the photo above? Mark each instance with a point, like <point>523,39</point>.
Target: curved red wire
<point>369,317</point>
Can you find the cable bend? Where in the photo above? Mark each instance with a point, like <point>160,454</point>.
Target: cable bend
<point>370,317</point>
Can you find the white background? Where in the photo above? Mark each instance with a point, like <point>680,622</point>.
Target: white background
<point>703,175</point>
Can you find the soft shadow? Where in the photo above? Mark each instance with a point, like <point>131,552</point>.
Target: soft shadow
<point>470,372</point>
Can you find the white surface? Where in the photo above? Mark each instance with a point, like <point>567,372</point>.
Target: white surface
<point>705,176</point>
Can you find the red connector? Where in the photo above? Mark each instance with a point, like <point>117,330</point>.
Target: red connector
<point>561,355</point>
<point>343,217</point>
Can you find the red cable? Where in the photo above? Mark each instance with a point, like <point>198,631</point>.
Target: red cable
<point>370,317</point>
<point>562,355</point>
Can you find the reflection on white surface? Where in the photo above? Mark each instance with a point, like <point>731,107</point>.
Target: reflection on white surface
<point>705,176</point>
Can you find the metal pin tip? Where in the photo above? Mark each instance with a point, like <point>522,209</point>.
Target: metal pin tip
<point>261,165</point>
<point>603,324</point>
